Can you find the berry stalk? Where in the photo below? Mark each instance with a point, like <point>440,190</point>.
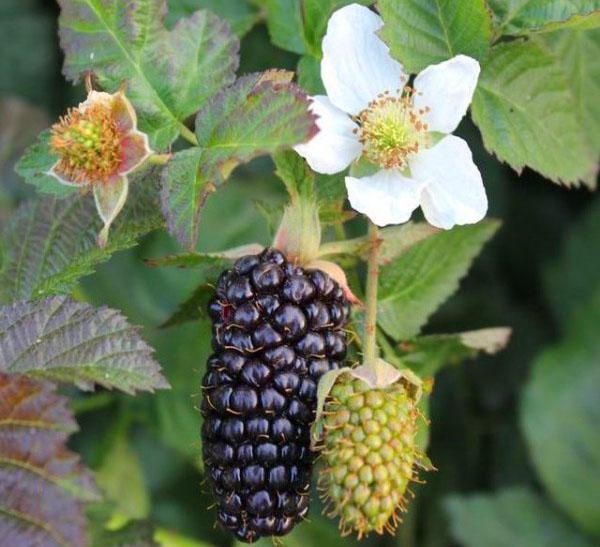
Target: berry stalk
<point>370,339</point>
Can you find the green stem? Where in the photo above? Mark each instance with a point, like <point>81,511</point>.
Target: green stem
<point>345,246</point>
<point>370,342</point>
<point>407,528</point>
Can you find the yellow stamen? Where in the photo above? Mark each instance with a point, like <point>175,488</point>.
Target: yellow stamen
<point>391,129</point>
<point>88,143</point>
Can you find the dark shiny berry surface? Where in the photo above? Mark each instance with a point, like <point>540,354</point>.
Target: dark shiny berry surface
<point>276,330</point>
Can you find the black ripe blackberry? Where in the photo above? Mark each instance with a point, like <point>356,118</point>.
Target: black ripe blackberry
<point>277,329</point>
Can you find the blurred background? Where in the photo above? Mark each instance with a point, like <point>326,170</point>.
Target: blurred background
<point>514,437</point>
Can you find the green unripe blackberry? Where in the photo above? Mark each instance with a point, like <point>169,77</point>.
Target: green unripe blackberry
<point>370,454</point>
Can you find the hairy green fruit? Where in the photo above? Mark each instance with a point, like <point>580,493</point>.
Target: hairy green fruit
<point>370,454</point>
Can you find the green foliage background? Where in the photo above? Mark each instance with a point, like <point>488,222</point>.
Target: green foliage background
<point>514,436</point>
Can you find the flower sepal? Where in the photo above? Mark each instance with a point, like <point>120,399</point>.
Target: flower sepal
<point>299,233</point>
<point>362,167</point>
<point>299,238</point>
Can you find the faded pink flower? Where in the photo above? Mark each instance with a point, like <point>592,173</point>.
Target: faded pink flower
<point>98,144</point>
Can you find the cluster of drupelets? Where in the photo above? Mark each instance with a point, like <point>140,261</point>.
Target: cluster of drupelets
<point>370,454</point>
<point>277,329</point>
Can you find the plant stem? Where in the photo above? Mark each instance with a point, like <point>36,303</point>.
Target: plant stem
<point>188,135</point>
<point>407,529</point>
<point>344,246</point>
<point>370,342</point>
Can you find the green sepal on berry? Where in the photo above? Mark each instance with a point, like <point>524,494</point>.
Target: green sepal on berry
<point>367,428</point>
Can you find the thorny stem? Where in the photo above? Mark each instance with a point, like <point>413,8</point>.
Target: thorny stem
<point>370,342</point>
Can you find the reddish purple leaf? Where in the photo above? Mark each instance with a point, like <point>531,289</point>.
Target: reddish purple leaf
<point>43,485</point>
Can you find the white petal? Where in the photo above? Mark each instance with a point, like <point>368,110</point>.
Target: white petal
<point>447,89</point>
<point>335,146</point>
<point>356,64</point>
<point>386,197</point>
<point>110,198</point>
<point>454,192</point>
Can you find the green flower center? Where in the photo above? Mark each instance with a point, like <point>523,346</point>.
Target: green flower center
<point>88,144</point>
<point>390,130</point>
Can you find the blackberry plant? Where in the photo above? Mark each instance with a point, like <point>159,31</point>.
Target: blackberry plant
<point>165,121</point>
<point>277,328</point>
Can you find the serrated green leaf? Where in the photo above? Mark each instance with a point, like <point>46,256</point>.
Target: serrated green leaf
<point>295,174</point>
<point>426,355</point>
<point>525,16</point>
<point>50,244</point>
<point>36,162</point>
<point>205,58</point>
<point>271,213</point>
<point>193,308</point>
<point>524,108</point>
<point>315,16</point>
<point>517,517</point>
<point>207,267</point>
<point>560,415</point>
<point>43,484</point>
<point>396,240</point>
<point>299,25</point>
<point>309,75</point>
<point>414,285</point>
<point>577,22</point>
<point>168,73</point>
<point>240,15</point>
<point>259,114</point>
<point>578,52</point>
<point>70,342</point>
<point>284,22</point>
<point>206,263</point>
<point>330,188</point>
<point>184,192</point>
<point>424,32</point>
